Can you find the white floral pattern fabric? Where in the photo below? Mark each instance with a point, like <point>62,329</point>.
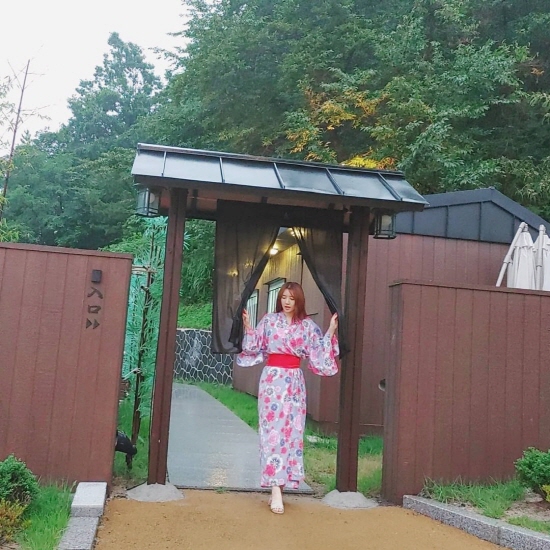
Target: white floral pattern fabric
<point>282,391</point>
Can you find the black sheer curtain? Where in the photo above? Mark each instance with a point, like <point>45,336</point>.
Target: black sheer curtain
<point>321,248</point>
<point>245,233</point>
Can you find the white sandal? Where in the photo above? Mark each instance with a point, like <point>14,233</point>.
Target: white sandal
<point>276,508</point>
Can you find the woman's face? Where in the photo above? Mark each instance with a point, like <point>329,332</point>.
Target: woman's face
<point>288,303</point>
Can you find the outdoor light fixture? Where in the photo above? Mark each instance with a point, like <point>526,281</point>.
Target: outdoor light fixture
<point>274,251</point>
<point>148,202</point>
<point>384,225</point>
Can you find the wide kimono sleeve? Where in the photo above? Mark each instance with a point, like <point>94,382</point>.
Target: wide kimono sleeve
<point>254,345</point>
<point>323,351</point>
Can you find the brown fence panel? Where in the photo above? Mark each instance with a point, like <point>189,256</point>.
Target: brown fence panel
<point>431,259</point>
<point>61,345</point>
<point>468,384</point>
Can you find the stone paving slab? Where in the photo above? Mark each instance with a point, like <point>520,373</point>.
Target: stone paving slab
<point>89,499</point>
<point>209,446</point>
<point>80,534</point>
<point>493,530</point>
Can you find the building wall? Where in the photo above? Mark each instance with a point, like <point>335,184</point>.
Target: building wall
<point>468,383</point>
<point>61,342</point>
<point>406,257</point>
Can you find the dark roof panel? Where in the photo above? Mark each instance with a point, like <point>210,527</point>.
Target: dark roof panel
<point>195,168</point>
<point>242,172</point>
<point>430,224</point>
<point>402,188</point>
<point>369,185</point>
<point>478,215</point>
<point>210,175</point>
<point>302,178</point>
<point>497,223</point>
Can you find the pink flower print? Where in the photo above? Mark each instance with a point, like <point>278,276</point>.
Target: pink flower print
<point>269,470</point>
<point>298,422</point>
<point>273,437</point>
<point>284,450</point>
<point>270,416</point>
<point>287,407</point>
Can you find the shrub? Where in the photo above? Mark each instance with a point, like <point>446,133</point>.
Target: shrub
<point>17,483</point>
<point>11,520</point>
<point>533,469</point>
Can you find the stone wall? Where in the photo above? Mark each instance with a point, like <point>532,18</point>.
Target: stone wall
<point>195,362</point>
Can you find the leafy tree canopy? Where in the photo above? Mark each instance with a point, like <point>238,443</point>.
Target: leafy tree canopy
<point>456,93</point>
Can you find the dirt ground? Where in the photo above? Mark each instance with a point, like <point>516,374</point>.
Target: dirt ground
<point>533,506</point>
<point>243,521</point>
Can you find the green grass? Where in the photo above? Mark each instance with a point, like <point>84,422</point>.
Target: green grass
<point>48,516</point>
<point>528,523</point>
<point>491,499</point>
<point>319,455</point>
<point>138,473</point>
<point>370,483</point>
<point>195,316</point>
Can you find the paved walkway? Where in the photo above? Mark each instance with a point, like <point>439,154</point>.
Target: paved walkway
<point>209,446</point>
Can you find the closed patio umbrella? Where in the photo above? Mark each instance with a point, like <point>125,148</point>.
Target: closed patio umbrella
<point>520,261</point>
<point>522,272</point>
<point>542,260</point>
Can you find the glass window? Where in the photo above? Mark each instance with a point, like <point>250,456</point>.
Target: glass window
<point>273,289</point>
<point>252,308</point>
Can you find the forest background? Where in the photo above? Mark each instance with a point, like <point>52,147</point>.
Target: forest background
<point>456,93</point>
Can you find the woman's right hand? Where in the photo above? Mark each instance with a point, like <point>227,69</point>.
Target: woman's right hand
<point>246,321</point>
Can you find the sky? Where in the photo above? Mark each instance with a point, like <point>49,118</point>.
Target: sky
<point>66,39</point>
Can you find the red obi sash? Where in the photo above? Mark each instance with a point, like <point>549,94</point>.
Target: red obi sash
<point>283,360</point>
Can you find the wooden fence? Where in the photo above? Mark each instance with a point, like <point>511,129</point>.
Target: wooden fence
<point>468,387</point>
<point>62,324</point>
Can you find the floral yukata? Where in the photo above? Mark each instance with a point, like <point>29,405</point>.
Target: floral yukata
<point>282,391</point>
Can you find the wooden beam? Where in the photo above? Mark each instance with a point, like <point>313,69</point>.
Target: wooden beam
<point>352,363</point>
<point>166,348</point>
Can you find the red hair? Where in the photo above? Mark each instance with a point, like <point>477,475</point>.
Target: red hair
<point>299,300</point>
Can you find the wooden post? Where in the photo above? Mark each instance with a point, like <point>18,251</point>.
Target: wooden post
<point>166,348</point>
<point>350,381</point>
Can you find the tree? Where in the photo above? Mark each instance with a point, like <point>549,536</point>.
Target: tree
<point>63,200</point>
<point>73,187</point>
<point>105,109</point>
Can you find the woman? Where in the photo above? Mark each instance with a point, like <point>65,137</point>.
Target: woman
<point>283,338</point>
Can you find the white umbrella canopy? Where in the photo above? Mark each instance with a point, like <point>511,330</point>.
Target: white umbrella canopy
<point>542,260</point>
<point>520,261</point>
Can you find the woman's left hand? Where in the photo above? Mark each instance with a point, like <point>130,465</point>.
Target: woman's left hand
<point>333,327</point>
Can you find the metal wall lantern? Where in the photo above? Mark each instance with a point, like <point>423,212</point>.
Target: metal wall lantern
<point>148,202</point>
<point>384,225</point>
